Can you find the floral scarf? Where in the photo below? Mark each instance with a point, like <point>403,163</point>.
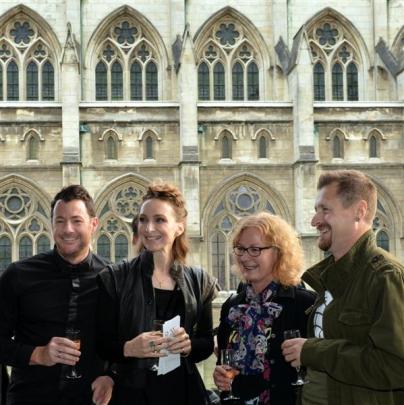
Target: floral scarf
<point>251,325</point>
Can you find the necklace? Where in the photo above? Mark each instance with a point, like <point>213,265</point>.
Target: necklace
<point>163,282</point>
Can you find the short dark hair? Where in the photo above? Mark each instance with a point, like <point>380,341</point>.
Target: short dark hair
<point>352,186</point>
<point>74,192</point>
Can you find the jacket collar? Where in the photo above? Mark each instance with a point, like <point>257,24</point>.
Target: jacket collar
<point>65,266</point>
<point>336,275</point>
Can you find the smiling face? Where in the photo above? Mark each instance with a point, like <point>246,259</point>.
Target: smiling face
<point>73,229</point>
<point>158,226</point>
<point>256,270</point>
<point>339,226</point>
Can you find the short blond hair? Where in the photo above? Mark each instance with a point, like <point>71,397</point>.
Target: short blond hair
<point>276,231</point>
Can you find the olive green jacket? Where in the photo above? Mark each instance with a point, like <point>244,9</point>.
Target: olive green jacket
<point>362,352</point>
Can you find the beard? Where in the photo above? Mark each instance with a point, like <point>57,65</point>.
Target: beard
<point>324,242</point>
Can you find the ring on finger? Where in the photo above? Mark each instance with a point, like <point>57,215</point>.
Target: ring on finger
<point>152,346</point>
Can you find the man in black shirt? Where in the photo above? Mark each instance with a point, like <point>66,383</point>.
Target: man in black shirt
<point>41,298</point>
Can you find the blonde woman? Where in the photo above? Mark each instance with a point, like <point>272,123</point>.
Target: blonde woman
<point>269,258</point>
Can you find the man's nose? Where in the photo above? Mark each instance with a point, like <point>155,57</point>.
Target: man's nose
<point>314,220</point>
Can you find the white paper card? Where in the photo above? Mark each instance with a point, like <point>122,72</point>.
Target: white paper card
<point>171,361</point>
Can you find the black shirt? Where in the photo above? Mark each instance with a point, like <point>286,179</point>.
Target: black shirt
<point>40,297</point>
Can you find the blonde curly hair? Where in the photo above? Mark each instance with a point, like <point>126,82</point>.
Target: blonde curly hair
<point>276,231</point>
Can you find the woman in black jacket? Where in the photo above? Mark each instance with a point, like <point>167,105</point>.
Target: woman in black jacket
<point>156,285</point>
<point>269,257</point>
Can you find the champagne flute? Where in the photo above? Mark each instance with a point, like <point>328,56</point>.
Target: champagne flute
<point>229,364</point>
<point>74,335</point>
<point>158,328</point>
<point>291,334</point>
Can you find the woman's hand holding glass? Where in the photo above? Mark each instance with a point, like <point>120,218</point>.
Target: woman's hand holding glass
<point>224,374</point>
<point>147,344</point>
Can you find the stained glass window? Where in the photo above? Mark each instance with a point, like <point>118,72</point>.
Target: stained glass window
<point>42,244</point>
<point>352,82</point>
<point>25,248</point>
<point>318,82</point>
<point>32,81</point>
<point>238,82</point>
<point>151,82</point>
<point>104,247</point>
<point>121,248</point>
<point>116,82</point>
<point>12,82</point>
<point>253,82</point>
<point>136,81</point>
<point>48,82</point>
<point>5,252</point>
<point>218,249</point>
<point>101,86</point>
<point>218,82</point>
<point>337,83</point>
<point>383,240</point>
<point>203,81</point>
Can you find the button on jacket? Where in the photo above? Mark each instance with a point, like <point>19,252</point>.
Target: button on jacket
<point>362,353</point>
<point>39,297</point>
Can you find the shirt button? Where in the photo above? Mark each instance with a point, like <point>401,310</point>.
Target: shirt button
<point>272,361</point>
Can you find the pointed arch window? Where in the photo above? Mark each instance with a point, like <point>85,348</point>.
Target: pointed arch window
<point>104,247</point>
<point>218,251</point>
<point>352,82</point>
<point>33,148</point>
<point>337,83</point>
<point>151,82</point>
<point>111,149</point>
<point>373,147</point>
<point>203,81</point>
<point>48,82</point>
<point>253,81</point>
<point>318,82</point>
<point>262,147</point>
<point>32,81</point>
<point>12,82</point>
<point>25,247</point>
<point>238,82</point>
<point>116,82</point>
<point>101,84</point>
<point>226,147</point>
<point>5,252</point>
<point>337,147</point>
<point>136,81</point>
<point>218,82</point>
<point>42,244</point>
<point>121,248</point>
<point>383,240</point>
<point>149,147</point>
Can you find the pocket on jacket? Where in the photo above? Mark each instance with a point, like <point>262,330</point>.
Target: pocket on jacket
<point>354,317</point>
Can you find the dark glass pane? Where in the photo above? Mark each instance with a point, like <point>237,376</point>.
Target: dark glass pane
<point>136,81</point>
<point>352,82</point>
<point>48,82</point>
<point>226,147</point>
<point>101,88</point>
<point>337,83</point>
<point>149,148</point>
<point>263,150</point>
<point>227,34</point>
<point>218,82</point>
<point>32,81</point>
<point>12,82</point>
<point>203,81</point>
<point>383,240</point>
<point>318,82</point>
<point>5,252</point>
<point>151,82</point>
<point>111,148</point>
<point>336,147</point>
<point>373,147</point>
<point>238,82</point>
<point>218,245</point>
<point>33,148</point>
<point>104,247</point>
<point>116,82</point>
<point>253,81</point>
<point>121,248</point>
<point>25,248</point>
<point>42,244</point>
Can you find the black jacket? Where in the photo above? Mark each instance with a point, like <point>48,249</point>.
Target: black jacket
<point>295,301</point>
<point>40,297</point>
<point>126,308</point>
